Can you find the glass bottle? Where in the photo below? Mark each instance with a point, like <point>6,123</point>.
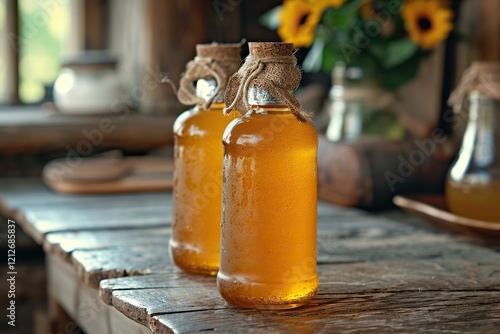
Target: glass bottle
<point>195,241</point>
<point>359,108</point>
<point>473,184</point>
<point>268,238</point>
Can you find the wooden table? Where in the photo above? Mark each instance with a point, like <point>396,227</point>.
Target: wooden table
<point>108,268</point>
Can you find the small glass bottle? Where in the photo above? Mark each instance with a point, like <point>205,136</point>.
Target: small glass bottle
<point>195,241</point>
<point>360,108</point>
<point>473,185</point>
<point>268,238</point>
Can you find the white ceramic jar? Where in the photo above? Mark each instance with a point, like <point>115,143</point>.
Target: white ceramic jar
<point>87,84</point>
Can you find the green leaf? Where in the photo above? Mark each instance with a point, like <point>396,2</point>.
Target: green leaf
<point>314,59</point>
<point>271,19</point>
<point>343,17</point>
<point>393,54</point>
<point>351,8</point>
<point>400,75</point>
<point>399,51</point>
<point>329,59</point>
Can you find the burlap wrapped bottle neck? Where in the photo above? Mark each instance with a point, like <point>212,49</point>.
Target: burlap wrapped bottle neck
<point>223,62</point>
<point>482,78</point>
<point>278,75</point>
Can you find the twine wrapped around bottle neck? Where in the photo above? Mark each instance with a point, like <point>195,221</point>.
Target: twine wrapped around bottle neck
<point>270,66</point>
<point>483,77</point>
<point>217,61</point>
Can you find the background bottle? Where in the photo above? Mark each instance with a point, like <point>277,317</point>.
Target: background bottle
<point>473,184</point>
<point>195,241</point>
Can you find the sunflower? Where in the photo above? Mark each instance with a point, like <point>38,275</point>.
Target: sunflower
<point>427,21</point>
<point>366,9</point>
<point>298,21</point>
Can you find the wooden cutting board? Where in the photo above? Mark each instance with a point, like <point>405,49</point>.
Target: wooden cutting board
<point>109,175</point>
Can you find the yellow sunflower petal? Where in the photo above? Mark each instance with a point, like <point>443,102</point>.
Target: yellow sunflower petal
<point>298,22</point>
<point>428,21</point>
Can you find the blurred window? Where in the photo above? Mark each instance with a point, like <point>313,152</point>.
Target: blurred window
<point>44,27</point>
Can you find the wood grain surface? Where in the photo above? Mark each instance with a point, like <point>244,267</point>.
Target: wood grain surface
<point>40,211</point>
<point>406,312</point>
<point>385,272</point>
<point>64,243</point>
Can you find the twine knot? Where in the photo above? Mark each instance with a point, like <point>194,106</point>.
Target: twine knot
<point>204,68</point>
<point>278,75</point>
<point>483,77</point>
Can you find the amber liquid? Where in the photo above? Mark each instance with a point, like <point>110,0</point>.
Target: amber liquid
<point>476,201</point>
<point>195,242</point>
<point>268,245</point>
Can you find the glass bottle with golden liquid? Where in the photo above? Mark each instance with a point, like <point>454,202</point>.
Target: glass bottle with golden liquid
<point>473,184</point>
<point>268,238</point>
<point>198,152</point>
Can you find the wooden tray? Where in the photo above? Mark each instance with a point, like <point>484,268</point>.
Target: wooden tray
<point>110,175</point>
<point>433,208</point>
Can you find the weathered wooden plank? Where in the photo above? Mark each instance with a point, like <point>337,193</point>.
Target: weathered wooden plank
<point>199,307</point>
<point>37,223</point>
<point>38,229</point>
<point>64,243</point>
<point>32,193</point>
<point>138,297</point>
<point>70,202</point>
<point>406,312</point>
<point>83,219</point>
<point>140,305</point>
<point>120,324</point>
<point>91,219</point>
<point>390,276</point>
<point>83,304</point>
<point>174,279</point>
<point>94,266</point>
<point>40,211</point>
<point>44,202</point>
<point>384,247</point>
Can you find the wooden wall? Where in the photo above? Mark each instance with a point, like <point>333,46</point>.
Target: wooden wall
<point>489,30</point>
<point>156,38</point>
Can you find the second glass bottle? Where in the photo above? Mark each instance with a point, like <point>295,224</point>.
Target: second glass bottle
<point>195,241</point>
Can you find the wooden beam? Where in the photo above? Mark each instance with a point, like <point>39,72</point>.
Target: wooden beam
<point>488,39</point>
<point>96,24</point>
